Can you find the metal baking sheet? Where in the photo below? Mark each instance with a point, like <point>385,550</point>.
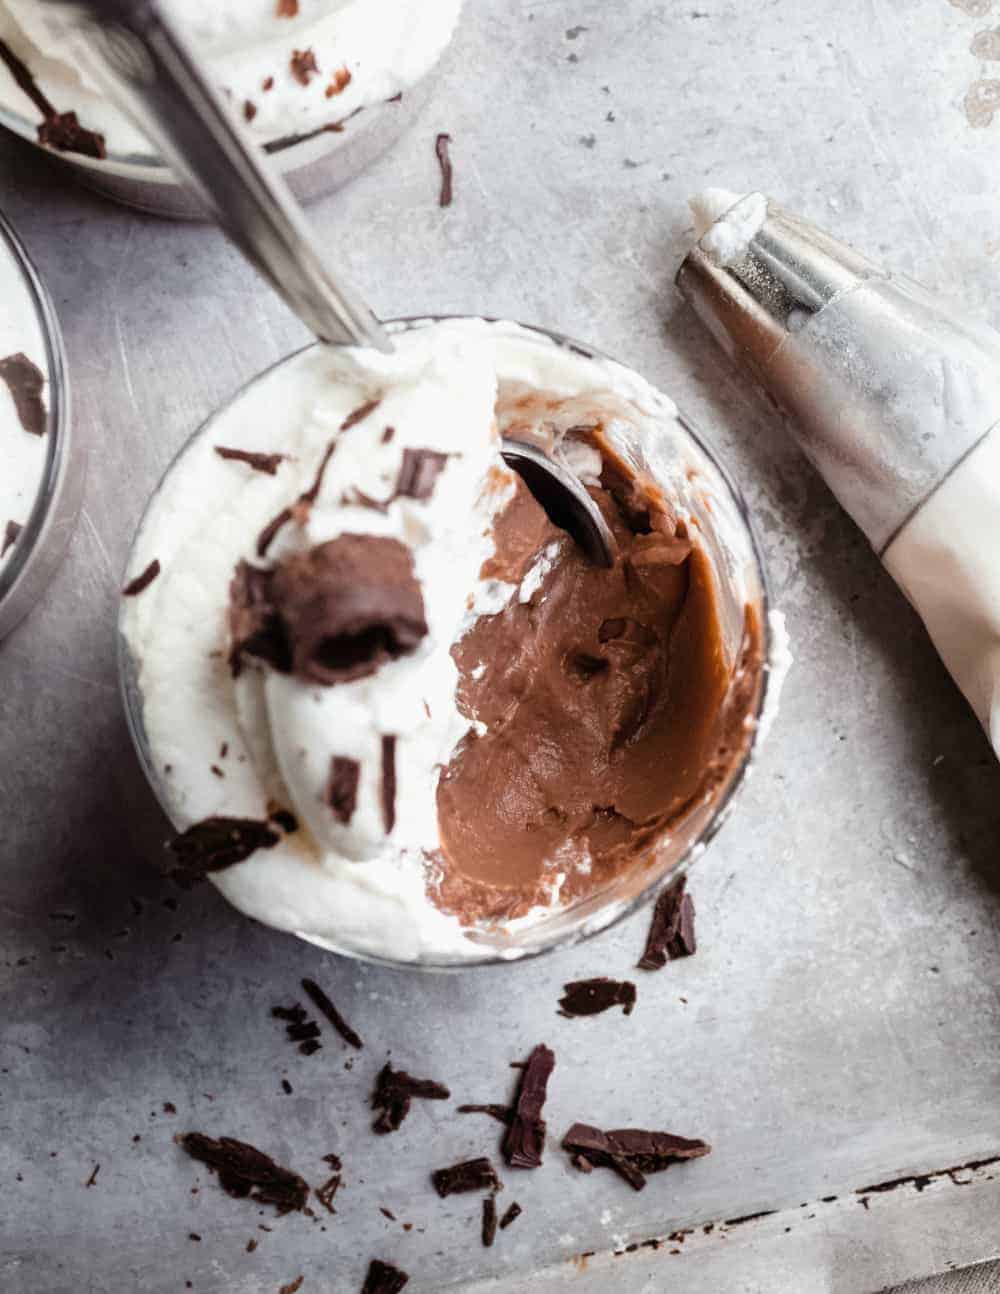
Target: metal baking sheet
<point>838,1028</point>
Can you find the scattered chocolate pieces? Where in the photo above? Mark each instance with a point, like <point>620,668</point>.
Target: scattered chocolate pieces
<point>342,787</point>
<point>92,1179</point>
<point>299,1027</point>
<point>326,1007</point>
<point>511,1215</point>
<point>59,130</point>
<point>325,1193</point>
<point>592,996</point>
<point>341,80</point>
<point>394,1091</point>
<point>10,534</point>
<point>331,615</point>
<point>469,1175</point>
<point>251,1245</point>
<point>292,1286</point>
<point>502,1113</point>
<point>489,1220</point>
<point>247,1173</point>
<point>215,843</point>
<point>304,66</point>
<point>383,1278</point>
<point>142,581</point>
<point>631,1152</point>
<point>286,1087</point>
<point>287,9</point>
<point>268,463</point>
<point>671,931</point>
<point>25,381</point>
<point>388,783</point>
<point>388,1213</point>
<point>418,473</point>
<point>444,161</point>
<point>360,413</point>
<point>266,537</point>
<point>268,82</point>
<point>249,109</point>
<point>525,1138</point>
<point>388,434</point>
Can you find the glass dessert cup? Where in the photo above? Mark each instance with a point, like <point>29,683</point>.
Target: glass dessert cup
<point>41,543</point>
<point>680,464</point>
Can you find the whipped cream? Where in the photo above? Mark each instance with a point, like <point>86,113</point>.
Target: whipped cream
<point>348,886</point>
<point>365,52</point>
<point>725,223</point>
<point>23,453</point>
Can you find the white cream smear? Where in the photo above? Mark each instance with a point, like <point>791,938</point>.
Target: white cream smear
<point>346,886</point>
<point>366,52</point>
<point>725,223</point>
<point>22,454</point>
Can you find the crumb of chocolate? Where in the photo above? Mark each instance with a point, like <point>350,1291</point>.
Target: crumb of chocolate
<point>267,463</point>
<point>630,1152</point>
<point>341,80</point>
<point>249,109</point>
<point>267,535</point>
<point>63,132</point>
<point>511,1215</point>
<point>388,782</point>
<point>671,930</point>
<point>525,1138</point>
<point>468,1175</point>
<point>268,83</point>
<point>10,534</point>
<point>310,1047</point>
<point>502,1113</point>
<point>286,1087</point>
<point>303,1032</point>
<point>142,581</point>
<point>394,1092</point>
<point>193,1235</point>
<point>136,1139</point>
<point>342,787</point>
<point>328,1190</point>
<point>251,1245</point>
<point>169,1107</point>
<point>304,66</point>
<point>418,473</point>
<point>25,381</point>
<point>224,751</point>
<point>292,1286</point>
<point>217,843</point>
<point>387,1213</point>
<point>326,1007</point>
<point>383,1278</point>
<point>388,434</point>
<point>592,996</point>
<point>246,1172</point>
<point>444,161</point>
<point>333,1160</point>
<point>216,770</point>
<point>287,9</point>
<point>489,1231</point>
<point>92,1179</point>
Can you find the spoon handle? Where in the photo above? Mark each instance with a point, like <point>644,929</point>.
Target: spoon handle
<point>157,78</point>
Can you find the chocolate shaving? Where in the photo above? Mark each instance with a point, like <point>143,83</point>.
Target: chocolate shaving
<point>631,1152</point>
<point>355,498</point>
<point>268,463</point>
<point>502,1113</point>
<point>326,1007</point>
<point>325,1193</point>
<point>342,787</point>
<point>394,1091</point>
<point>418,473</point>
<point>592,996</point>
<point>249,109</point>
<point>61,130</point>
<point>360,413</point>
<point>489,1220</point>
<point>388,783</point>
<point>388,434</point>
<point>92,1179</point>
<point>10,534</point>
<point>246,1172</point>
<point>511,1215</point>
<point>25,381</point>
<point>341,80</point>
<point>142,581</point>
<point>525,1139</point>
<point>284,819</point>
<point>469,1175</point>
<point>286,1087</point>
<point>287,9</point>
<point>331,615</point>
<point>299,509</point>
<point>268,82</point>
<point>293,1286</point>
<point>310,1047</point>
<point>266,537</point>
<point>251,1245</point>
<point>671,930</point>
<point>444,161</point>
<point>387,1213</point>
<point>216,843</point>
<point>383,1278</point>
<point>304,66</point>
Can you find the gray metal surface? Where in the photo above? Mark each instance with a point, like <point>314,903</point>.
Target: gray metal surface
<point>839,1026</point>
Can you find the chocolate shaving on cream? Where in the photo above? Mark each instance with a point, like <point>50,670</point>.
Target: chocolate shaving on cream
<point>268,463</point>
<point>418,473</point>
<point>342,787</point>
<point>25,381</point>
<point>142,581</point>
<point>10,534</point>
<point>216,843</point>
<point>388,783</point>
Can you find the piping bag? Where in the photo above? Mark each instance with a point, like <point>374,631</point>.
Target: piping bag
<point>891,393</point>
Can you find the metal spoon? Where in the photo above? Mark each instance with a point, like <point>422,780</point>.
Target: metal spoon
<point>158,79</point>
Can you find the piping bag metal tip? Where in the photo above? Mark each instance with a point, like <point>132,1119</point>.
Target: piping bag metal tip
<point>887,387</point>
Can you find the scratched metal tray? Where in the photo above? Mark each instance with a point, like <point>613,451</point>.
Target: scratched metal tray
<point>838,1028</point>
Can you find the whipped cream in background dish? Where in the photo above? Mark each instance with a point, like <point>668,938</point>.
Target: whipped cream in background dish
<point>292,67</point>
<point>350,652</point>
<point>24,401</point>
